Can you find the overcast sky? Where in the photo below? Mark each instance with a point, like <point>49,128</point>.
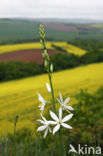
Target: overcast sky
<point>52,8</point>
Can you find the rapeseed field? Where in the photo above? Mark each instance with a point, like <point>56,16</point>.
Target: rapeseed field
<point>20,97</point>
<point>16,47</point>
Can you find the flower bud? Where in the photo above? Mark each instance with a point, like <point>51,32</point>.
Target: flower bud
<point>46,63</point>
<point>42,34</point>
<point>42,46</point>
<point>48,87</point>
<point>45,51</point>
<point>43,55</point>
<point>41,41</point>
<point>51,67</point>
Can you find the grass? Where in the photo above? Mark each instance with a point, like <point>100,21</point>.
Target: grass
<point>20,97</point>
<point>68,47</point>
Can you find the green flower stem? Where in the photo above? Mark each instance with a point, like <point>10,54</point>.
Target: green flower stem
<point>61,143</point>
<point>53,102</point>
<point>52,91</point>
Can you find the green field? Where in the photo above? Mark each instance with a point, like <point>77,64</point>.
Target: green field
<point>20,97</point>
<point>19,31</point>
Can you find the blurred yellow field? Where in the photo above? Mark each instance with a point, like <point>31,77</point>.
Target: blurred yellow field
<point>20,97</point>
<point>98,26</point>
<point>68,47</point>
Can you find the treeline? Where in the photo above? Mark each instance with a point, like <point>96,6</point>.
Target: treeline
<point>17,70</point>
<point>91,45</point>
<point>59,48</point>
<point>62,61</point>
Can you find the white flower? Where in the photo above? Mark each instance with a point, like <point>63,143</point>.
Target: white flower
<point>59,121</point>
<point>41,99</point>
<point>43,102</point>
<point>48,87</point>
<point>46,126</point>
<point>64,104</point>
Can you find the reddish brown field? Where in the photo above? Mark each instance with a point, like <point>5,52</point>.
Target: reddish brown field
<point>62,27</point>
<point>25,56</point>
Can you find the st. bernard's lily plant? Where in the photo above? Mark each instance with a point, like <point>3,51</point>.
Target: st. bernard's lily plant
<point>57,120</point>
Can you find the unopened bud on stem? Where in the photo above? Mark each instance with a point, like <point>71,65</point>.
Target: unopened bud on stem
<point>51,68</point>
<point>46,63</point>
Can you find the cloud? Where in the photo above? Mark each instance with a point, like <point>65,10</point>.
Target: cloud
<point>52,8</point>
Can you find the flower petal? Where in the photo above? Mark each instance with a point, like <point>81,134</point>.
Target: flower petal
<point>66,126</point>
<point>50,130</point>
<point>52,122</point>
<point>61,97</point>
<point>56,129</point>
<point>41,121</point>
<point>48,87</point>
<point>41,128</point>
<point>43,118</point>
<point>69,107</point>
<point>68,117</point>
<point>59,101</point>
<point>53,116</point>
<point>41,99</point>
<point>66,101</point>
<point>60,113</point>
<point>42,107</point>
<point>46,132</point>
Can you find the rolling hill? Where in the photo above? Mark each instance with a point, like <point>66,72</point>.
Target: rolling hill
<point>26,30</point>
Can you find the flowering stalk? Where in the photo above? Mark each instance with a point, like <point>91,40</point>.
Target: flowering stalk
<point>47,63</point>
<point>49,69</point>
<point>58,121</point>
